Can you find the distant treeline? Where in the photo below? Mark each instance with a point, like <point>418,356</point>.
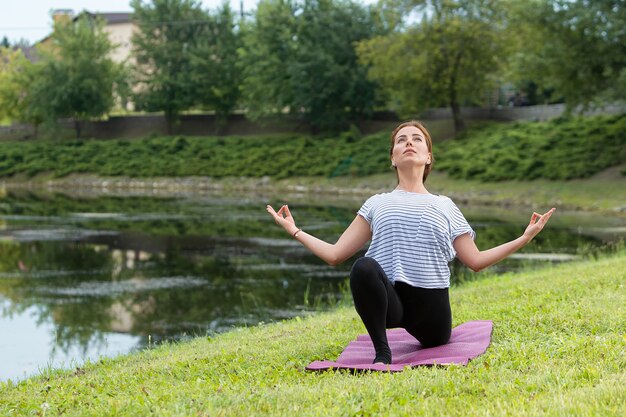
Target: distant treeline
<point>558,149</point>
<point>329,62</point>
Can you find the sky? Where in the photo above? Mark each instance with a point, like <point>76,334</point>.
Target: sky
<point>31,19</point>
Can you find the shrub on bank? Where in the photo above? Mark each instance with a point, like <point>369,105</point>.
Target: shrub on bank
<point>278,157</point>
<point>559,149</point>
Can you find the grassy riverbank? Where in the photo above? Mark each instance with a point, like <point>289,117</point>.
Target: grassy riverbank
<point>603,193</point>
<point>560,149</point>
<point>558,349</point>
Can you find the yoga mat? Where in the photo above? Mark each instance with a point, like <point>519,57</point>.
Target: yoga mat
<point>467,341</point>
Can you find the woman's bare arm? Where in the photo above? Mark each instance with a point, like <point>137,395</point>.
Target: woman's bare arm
<point>352,239</point>
<point>477,260</point>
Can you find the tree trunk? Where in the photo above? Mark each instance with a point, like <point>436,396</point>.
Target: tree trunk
<point>459,124</point>
<point>221,122</point>
<point>169,121</point>
<point>77,128</point>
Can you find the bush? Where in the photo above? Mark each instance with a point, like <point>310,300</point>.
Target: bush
<point>559,149</point>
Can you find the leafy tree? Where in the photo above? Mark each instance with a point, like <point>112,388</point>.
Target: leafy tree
<point>5,42</point>
<point>215,72</point>
<point>20,83</point>
<point>167,33</point>
<point>11,65</point>
<point>448,58</point>
<point>299,56</point>
<point>76,75</point>
<point>576,48</point>
<point>269,44</point>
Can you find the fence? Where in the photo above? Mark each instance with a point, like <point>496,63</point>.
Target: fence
<point>205,124</point>
<point>534,113</point>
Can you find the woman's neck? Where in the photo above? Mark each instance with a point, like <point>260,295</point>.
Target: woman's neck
<point>412,183</point>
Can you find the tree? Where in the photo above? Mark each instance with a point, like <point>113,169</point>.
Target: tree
<point>215,72</point>
<point>5,42</point>
<point>20,86</point>
<point>12,64</point>
<point>76,74</point>
<point>167,33</point>
<point>269,44</point>
<point>299,57</point>
<point>576,48</point>
<point>448,58</point>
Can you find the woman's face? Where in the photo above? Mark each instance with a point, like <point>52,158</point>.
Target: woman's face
<point>410,147</point>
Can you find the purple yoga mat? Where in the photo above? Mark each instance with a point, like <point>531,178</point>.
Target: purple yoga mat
<point>467,341</point>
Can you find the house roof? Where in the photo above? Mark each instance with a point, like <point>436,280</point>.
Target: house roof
<point>30,52</point>
<point>111,18</point>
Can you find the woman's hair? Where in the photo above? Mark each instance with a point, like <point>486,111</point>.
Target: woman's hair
<point>429,144</point>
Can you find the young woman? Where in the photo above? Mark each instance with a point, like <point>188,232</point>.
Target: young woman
<point>403,279</point>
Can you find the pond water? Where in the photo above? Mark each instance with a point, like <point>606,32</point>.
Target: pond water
<point>86,277</point>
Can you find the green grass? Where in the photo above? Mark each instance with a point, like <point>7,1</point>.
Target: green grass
<point>601,194</point>
<point>560,149</point>
<point>280,157</point>
<point>558,348</point>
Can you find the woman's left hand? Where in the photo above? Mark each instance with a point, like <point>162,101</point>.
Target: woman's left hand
<point>537,222</point>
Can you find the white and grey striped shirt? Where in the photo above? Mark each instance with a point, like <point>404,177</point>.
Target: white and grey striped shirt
<point>412,236</point>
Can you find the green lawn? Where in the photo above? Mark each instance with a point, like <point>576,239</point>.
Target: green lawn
<point>559,348</point>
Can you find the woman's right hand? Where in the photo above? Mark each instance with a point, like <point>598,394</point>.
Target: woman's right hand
<point>283,218</point>
<point>350,241</point>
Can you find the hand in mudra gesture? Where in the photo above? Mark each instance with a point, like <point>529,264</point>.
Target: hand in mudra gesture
<point>283,218</point>
<point>537,222</point>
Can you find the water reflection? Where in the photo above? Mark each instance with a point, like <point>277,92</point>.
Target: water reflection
<point>113,271</point>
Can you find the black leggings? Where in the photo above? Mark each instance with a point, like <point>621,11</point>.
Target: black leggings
<point>423,312</point>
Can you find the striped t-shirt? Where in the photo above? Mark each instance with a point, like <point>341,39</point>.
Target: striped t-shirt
<point>412,236</point>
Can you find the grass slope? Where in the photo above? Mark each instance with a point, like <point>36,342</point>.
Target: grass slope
<point>561,149</point>
<point>558,349</point>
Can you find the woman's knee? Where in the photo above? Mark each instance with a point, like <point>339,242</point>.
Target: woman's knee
<point>363,269</point>
<point>364,265</point>
<point>438,341</point>
<point>434,338</point>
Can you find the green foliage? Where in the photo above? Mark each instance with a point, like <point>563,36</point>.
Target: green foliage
<point>12,64</point>
<point>214,64</point>
<point>561,149</point>
<point>557,335</point>
<point>299,56</point>
<point>22,89</point>
<point>447,59</point>
<point>82,65</point>
<point>278,157</point>
<point>75,77</point>
<point>577,49</point>
<point>167,33</point>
